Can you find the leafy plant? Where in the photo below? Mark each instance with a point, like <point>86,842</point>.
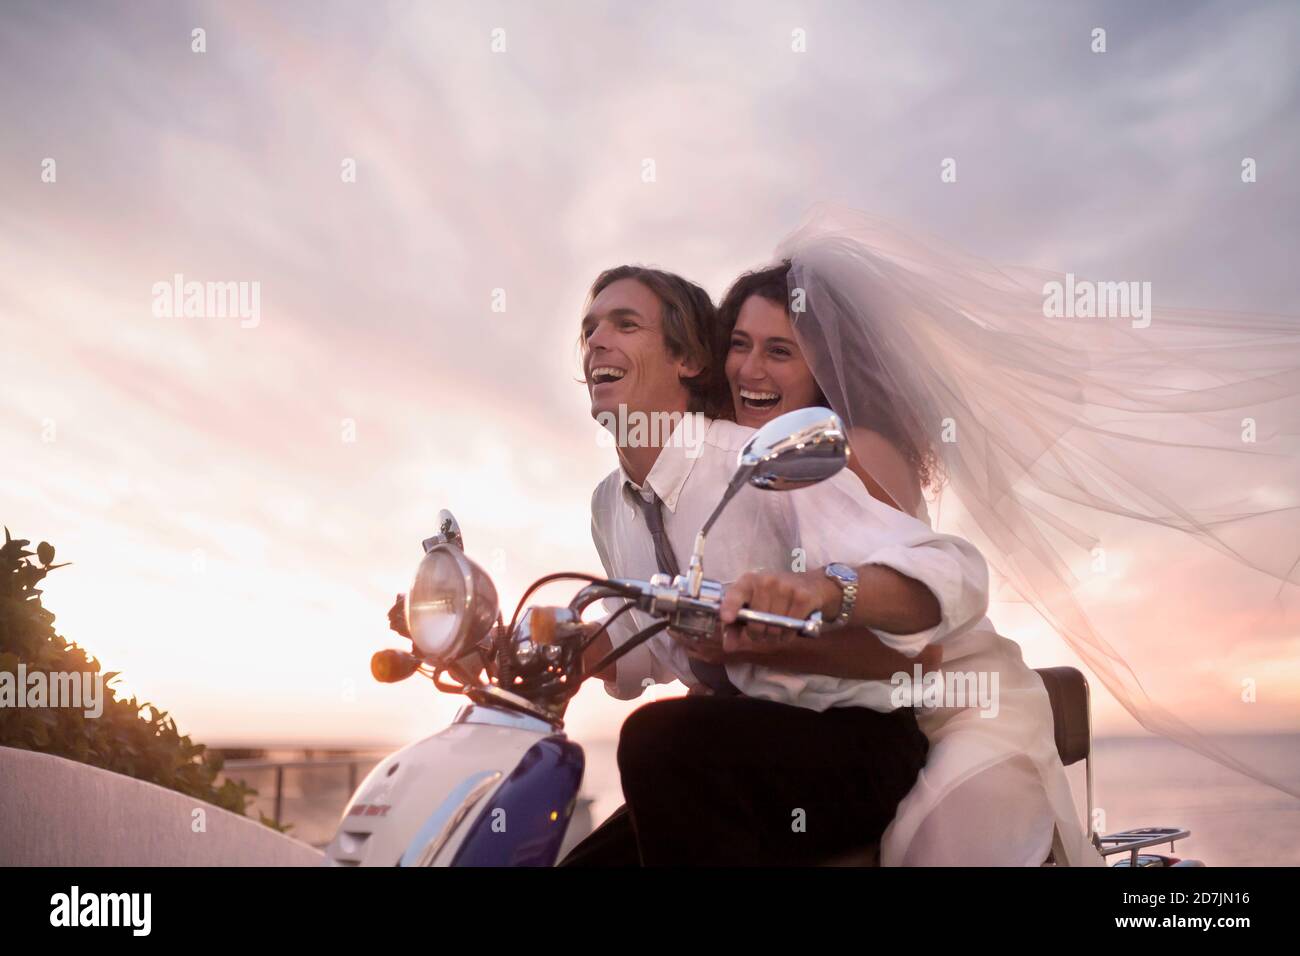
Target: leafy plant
<point>139,740</point>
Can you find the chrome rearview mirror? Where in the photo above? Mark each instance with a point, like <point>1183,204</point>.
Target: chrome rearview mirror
<point>448,533</point>
<point>793,450</point>
<point>796,449</point>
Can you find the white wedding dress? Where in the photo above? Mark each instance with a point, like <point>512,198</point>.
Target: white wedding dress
<point>993,791</point>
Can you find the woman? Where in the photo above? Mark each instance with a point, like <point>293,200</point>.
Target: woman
<point>958,377</point>
<point>993,790</point>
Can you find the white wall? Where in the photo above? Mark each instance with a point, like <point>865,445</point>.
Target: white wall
<point>57,812</point>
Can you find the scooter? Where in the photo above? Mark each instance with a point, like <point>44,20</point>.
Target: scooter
<point>499,787</point>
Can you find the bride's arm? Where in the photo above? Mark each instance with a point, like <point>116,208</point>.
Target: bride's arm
<point>916,587</point>
<point>851,653</point>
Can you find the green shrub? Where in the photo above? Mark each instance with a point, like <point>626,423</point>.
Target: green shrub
<point>130,738</point>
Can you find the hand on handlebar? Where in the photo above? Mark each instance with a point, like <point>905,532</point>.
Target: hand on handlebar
<point>734,644</point>
<point>711,650</point>
<point>854,653</point>
<point>787,593</point>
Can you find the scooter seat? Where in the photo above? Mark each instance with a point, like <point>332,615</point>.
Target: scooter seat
<point>1067,689</point>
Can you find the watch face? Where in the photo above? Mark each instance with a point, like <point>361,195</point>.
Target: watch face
<point>842,572</point>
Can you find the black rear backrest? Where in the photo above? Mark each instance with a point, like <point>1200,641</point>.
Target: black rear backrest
<point>1067,689</point>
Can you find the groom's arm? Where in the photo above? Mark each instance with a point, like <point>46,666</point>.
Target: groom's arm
<point>896,603</point>
<point>850,653</point>
<point>916,587</point>
<point>887,601</point>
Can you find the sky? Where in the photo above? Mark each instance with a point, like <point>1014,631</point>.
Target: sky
<point>241,500</point>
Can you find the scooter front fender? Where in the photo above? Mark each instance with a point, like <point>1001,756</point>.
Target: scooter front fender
<point>495,788</point>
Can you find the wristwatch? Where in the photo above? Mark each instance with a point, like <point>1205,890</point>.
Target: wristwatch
<point>847,578</point>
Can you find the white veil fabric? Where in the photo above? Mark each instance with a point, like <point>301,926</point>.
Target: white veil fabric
<point>1061,431</point>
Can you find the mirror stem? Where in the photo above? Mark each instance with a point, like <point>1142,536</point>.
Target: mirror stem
<point>695,573</point>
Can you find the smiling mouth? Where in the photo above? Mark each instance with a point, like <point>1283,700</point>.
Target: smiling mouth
<point>759,401</point>
<point>604,374</point>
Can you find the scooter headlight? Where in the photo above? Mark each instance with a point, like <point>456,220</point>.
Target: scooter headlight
<point>451,606</point>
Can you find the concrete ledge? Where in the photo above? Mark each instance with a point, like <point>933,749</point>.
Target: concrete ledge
<point>57,812</point>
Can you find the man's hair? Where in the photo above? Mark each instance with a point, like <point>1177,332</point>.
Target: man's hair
<point>690,330</point>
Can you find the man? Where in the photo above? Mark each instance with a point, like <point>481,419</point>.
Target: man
<point>785,751</point>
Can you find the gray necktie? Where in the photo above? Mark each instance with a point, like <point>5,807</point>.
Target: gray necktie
<point>713,676</point>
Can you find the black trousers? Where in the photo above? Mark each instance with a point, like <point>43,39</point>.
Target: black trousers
<point>743,782</point>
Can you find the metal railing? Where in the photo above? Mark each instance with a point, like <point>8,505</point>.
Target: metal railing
<point>229,767</point>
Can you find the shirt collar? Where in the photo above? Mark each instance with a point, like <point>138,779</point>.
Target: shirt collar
<point>676,459</point>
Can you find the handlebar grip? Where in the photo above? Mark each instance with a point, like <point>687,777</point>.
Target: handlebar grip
<point>812,627</point>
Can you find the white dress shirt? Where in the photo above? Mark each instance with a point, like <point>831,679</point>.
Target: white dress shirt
<point>836,520</point>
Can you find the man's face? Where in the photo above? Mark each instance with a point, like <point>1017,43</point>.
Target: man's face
<point>627,361</point>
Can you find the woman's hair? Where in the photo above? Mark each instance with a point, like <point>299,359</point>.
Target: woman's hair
<point>689,327</point>
<point>885,418</point>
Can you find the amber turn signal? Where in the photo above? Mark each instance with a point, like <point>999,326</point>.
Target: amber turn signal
<point>543,624</point>
<point>389,666</point>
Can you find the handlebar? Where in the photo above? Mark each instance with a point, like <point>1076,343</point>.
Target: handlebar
<point>809,627</point>
<point>694,615</point>
<point>531,666</point>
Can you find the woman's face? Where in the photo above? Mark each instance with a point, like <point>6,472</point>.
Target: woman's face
<point>765,370</point>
